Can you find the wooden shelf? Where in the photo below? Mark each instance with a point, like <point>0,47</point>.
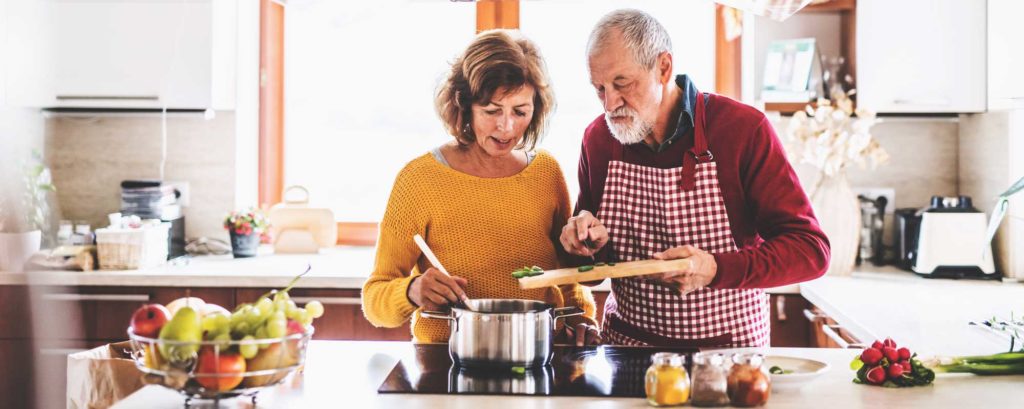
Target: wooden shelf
<point>830,6</point>
<point>787,108</point>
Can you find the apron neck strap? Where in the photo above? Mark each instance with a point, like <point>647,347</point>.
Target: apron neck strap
<point>699,153</point>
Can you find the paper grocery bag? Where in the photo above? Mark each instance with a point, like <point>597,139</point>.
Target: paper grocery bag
<point>100,377</point>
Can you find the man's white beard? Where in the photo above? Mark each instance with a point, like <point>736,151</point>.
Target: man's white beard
<point>628,134</point>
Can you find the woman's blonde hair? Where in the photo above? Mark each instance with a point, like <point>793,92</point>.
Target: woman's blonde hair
<point>495,59</point>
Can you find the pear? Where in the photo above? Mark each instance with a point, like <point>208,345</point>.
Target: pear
<point>277,355</point>
<point>183,327</point>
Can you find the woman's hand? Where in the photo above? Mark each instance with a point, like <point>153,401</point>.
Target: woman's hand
<point>434,290</point>
<point>579,230</point>
<point>583,334</point>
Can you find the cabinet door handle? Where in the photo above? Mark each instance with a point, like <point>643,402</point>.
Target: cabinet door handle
<point>780,307</point>
<point>330,300</point>
<point>97,297</point>
<point>108,97</point>
<point>832,332</point>
<point>938,102</point>
<point>811,316</point>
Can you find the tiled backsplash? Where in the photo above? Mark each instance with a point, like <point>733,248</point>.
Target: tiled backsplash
<point>90,156</point>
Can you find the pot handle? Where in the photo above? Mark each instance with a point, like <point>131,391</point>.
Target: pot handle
<point>441,316</point>
<point>566,312</point>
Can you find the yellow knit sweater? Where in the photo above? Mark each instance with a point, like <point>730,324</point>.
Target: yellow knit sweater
<point>481,229</point>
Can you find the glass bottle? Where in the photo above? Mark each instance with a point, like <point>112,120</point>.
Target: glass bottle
<point>710,380</point>
<point>666,382</point>
<point>749,382</point>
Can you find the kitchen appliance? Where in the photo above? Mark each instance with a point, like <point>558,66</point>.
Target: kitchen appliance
<point>608,371</point>
<point>503,332</point>
<point>952,241</point>
<point>872,224</point>
<point>905,231</point>
<point>152,199</point>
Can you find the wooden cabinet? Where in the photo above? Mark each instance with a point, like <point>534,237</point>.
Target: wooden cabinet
<point>788,325</point>
<point>921,56</point>
<point>343,314</point>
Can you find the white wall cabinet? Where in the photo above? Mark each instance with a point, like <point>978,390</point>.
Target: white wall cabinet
<point>1005,54</point>
<point>143,54</point>
<point>922,56</point>
<point>26,59</point>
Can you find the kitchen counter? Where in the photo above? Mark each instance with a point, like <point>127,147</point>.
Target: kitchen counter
<point>929,315</point>
<point>347,374</point>
<point>341,267</point>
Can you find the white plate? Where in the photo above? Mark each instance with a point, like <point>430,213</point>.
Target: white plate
<point>804,371</point>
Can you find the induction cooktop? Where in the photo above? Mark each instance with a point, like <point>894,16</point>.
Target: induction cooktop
<point>616,371</point>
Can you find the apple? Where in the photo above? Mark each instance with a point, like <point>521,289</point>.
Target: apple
<point>294,327</point>
<point>223,373</point>
<point>210,308</point>
<point>148,319</point>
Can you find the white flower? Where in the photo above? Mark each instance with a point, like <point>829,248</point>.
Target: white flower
<point>834,134</point>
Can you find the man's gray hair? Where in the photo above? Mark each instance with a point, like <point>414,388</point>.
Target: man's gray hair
<point>644,36</point>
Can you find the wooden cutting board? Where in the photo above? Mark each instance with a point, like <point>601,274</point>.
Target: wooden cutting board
<point>619,270</point>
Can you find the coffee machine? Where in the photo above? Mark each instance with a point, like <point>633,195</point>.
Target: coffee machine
<point>946,239</point>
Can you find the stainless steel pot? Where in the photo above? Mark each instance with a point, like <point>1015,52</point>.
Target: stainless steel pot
<point>502,332</point>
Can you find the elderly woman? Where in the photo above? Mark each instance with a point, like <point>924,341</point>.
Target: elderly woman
<point>486,203</point>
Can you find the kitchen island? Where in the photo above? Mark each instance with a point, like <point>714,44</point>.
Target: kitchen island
<point>346,374</point>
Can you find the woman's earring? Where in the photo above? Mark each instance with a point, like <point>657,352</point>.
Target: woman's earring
<point>467,130</point>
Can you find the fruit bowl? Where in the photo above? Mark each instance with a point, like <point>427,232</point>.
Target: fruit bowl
<point>218,369</point>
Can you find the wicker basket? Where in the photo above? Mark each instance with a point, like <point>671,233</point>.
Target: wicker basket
<point>130,249</point>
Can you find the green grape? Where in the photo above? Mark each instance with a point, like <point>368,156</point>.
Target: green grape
<point>223,341</point>
<point>215,324</point>
<point>243,328</point>
<point>248,351</point>
<point>254,318</point>
<point>261,333</point>
<point>306,320</point>
<point>281,295</point>
<point>315,309</point>
<point>278,315</point>
<point>276,327</point>
<point>265,306</point>
<point>294,314</point>
<point>300,315</point>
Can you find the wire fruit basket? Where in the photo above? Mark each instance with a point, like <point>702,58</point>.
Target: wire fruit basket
<point>215,370</point>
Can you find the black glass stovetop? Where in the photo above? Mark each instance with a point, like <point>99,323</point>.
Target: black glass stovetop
<point>616,371</point>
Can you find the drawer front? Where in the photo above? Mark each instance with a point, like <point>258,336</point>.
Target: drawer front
<point>15,321</point>
<point>789,327</point>
<point>104,313</point>
<point>343,315</point>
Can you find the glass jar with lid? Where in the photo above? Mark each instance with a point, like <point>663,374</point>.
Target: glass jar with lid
<point>709,383</point>
<point>749,382</point>
<point>667,382</point>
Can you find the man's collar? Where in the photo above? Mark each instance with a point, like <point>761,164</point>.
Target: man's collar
<point>687,105</point>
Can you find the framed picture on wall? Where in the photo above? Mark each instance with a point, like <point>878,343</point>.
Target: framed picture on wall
<point>791,70</point>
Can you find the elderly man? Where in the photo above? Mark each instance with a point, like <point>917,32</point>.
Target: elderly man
<point>669,172</point>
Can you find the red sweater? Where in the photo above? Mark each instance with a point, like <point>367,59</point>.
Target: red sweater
<point>772,223</point>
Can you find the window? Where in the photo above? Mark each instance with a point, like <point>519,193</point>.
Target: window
<point>360,79</point>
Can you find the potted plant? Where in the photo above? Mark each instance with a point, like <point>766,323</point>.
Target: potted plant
<point>23,215</point>
<point>247,228</point>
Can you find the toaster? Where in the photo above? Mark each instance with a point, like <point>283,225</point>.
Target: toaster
<point>952,240</point>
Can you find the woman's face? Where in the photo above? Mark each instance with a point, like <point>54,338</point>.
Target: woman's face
<point>500,124</point>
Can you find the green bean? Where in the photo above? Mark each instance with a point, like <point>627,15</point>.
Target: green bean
<point>583,269</point>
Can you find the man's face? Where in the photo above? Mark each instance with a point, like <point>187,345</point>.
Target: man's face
<point>629,92</point>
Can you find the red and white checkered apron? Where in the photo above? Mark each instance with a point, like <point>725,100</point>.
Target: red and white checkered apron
<point>647,210</point>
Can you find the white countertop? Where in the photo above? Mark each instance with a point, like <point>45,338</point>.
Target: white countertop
<point>928,315</point>
<point>347,374</point>
<point>336,267</point>
<point>343,267</point>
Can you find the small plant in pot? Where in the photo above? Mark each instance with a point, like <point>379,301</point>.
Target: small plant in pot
<point>247,228</point>
<point>24,212</point>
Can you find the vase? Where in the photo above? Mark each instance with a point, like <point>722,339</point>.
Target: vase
<point>838,213</point>
<point>16,248</point>
<point>244,245</point>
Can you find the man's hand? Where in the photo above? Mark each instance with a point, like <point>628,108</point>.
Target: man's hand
<point>434,290</point>
<point>580,229</point>
<point>701,272</point>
